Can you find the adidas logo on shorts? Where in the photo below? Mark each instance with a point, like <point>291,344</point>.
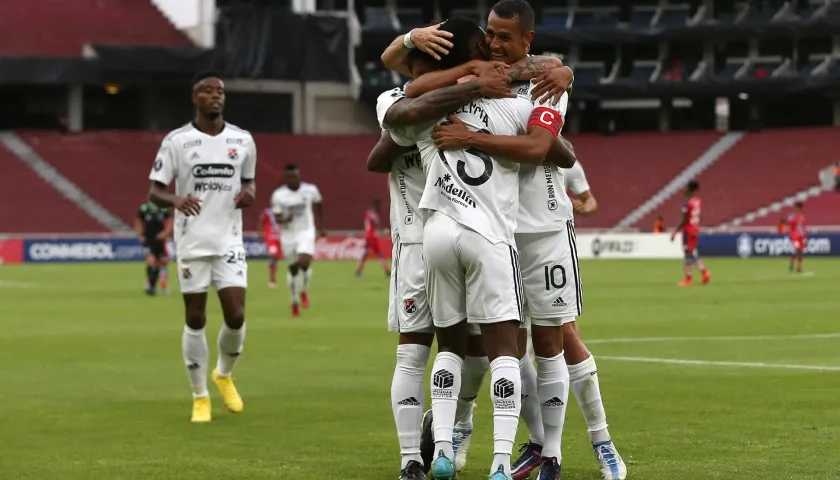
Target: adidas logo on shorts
<point>559,302</point>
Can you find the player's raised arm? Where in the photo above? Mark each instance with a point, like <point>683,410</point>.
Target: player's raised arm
<point>434,105</point>
<point>384,153</point>
<point>429,39</point>
<point>163,172</point>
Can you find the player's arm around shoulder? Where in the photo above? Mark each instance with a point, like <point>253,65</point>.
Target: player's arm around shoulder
<point>384,153</point>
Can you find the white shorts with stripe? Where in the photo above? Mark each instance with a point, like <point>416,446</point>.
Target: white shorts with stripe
<point>408,306</point>
<point>467,277</point>
<point>551,276</point>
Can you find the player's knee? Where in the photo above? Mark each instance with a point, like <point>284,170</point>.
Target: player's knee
<point>196,319</point>
<point>548,341</point>
<point>236,318</point>
<point>293,269</point>
<point>163,262</point>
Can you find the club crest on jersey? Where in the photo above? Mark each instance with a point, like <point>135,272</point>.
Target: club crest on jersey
<point>410,306</point>
<point>233,154</point>
<point>186,273</point>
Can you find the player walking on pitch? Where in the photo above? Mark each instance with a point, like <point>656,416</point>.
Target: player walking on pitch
<point>293,206</point>
<point>798,236</point>
<point>153,227</point>
<point>690,226</point>
<point>372,226</point>
<point>213,164</point>
<point>270,234</point>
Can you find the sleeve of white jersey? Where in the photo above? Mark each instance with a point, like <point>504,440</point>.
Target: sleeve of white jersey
<point>404,136</point>
<point>164,169</point>
<point>384,102</point>
<point>316,195</point>
<point>577,182</point>
<point>276,203</point>
<point>249,166</point>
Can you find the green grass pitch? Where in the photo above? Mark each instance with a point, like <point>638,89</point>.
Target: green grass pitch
<point>93,385</point>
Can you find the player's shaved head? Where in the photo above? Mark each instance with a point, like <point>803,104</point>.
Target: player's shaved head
<point>516,10</point>
<point>693,186</point>
<point>201,76</point>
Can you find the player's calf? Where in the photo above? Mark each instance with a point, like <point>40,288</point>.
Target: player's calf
<point>230,344</point>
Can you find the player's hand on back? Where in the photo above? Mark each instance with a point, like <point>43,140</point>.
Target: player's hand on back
<point>189,206</point>
<point>452,135</point>
<point>432,40</point>
<point>494,82</point>
<point>552,84</point>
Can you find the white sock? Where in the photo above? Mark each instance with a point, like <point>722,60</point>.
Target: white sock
<point>230,347</point>
<point>505,392</point>
<point>196,356</point>
<point>531,401</point>
<point>307,275</point>
<point>292,284</point>
<point>553,388</point>
<point>300,281</point>
<point>446,383</point>
<point>472,376</point>
<point>584,380</point>
<point>407,396</point>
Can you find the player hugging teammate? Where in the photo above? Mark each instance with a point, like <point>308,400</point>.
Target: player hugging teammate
<point>471,160</point>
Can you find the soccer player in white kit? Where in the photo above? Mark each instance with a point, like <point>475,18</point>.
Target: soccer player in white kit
<point>213,164</point>
<point>472,269</point>
<point>409,312</point>
<point>293,205</point>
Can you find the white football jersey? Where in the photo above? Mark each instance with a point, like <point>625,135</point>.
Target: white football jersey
<point>575,179</point>
<point>544,205</point>
<point>212,169</point>
<point>297,203</point>
<point>473,188</point>
<point>405,183</point>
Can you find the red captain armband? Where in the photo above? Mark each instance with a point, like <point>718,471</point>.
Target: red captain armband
<point>546,118</point>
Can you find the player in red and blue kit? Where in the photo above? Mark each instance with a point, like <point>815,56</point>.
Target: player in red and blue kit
<point>372,243</point>
<point>690,227</point>
<point>270,234</point>
<point>798,236</point>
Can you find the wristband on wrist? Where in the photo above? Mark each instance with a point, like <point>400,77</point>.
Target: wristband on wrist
<point>407,40</point>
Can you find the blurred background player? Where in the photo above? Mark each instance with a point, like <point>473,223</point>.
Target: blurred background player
<point>372,244</point>
<point>270,234</point>
<point>690,226</point>
<point>154,227</point>
<point>798,236</point>
<point>782,227</point>
<point>659,225</point>
<point>293,205</point>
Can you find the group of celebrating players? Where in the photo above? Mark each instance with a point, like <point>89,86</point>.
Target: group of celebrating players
<point>484,238</point>
<point>483,235</point>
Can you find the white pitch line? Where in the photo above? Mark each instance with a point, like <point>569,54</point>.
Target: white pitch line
<point>7,284</point>
<point>678,361</point>
<point>708,339</point>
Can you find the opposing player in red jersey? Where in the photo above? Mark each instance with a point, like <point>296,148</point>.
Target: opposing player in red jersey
<point>372,243</point>
<point>270,234</point>
<point>690,227</point>
<point>798,236</point>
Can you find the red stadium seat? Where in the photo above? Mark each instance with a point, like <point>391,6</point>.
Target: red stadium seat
<point>32,205</point>
<point>60,28</point>
<point>823,209</point>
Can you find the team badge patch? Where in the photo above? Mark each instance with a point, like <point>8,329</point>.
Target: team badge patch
<point>233,154</point>
<point>186,274</point>
<point>410,306</point>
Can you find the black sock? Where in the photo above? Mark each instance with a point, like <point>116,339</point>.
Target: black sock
<point>153,276</point>
<point>149,273</point>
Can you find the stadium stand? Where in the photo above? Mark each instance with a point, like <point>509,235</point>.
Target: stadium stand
<point>32,205</point>
<point>627,169</point>
<point>759,169</point>
<point>41,27</point>
<point>820,210</point>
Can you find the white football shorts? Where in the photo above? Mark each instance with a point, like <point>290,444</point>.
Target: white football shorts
<point>551,276</point>
<point>196,275</point>
<point>408,305</point>
<point>467,277</point>
<point>294,246</point>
